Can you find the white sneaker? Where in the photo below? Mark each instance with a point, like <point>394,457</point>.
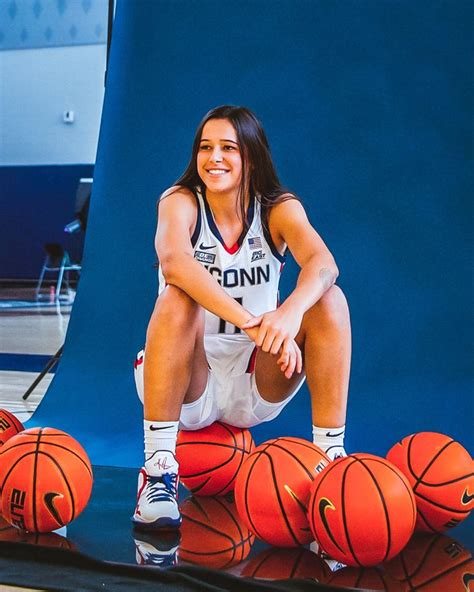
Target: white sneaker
<point>158,549</point>
<point>157,505</point>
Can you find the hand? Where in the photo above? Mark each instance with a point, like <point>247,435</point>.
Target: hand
<point>268,332</point>
<point>290,358</point>
<point>274,328</point>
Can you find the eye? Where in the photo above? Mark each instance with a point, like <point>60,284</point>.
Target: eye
<point>230,147</point>
<point>204,147</point>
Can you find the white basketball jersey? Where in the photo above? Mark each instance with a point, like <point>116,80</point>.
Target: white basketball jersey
<point>249,271</point>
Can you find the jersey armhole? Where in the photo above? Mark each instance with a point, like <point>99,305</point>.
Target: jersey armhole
<point>197,228</point>
<point>273,249</point>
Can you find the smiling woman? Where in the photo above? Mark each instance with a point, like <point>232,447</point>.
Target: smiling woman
<point>219,347</point>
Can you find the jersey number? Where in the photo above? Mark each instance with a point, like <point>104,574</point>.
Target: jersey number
<point>223,324</point>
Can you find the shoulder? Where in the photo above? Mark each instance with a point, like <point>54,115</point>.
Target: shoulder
<point>179,193</point>
<point>287,209</point>
<point>177,199</point>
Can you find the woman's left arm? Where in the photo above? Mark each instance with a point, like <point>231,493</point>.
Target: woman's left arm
<point>319,271</point>
<point>290,226</point>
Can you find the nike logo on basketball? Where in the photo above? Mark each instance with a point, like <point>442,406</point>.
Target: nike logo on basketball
<point>205,247</point>
<point>467,577</point>
<point>49,503</point>
<point>324,504</point>
<point>467,497</point>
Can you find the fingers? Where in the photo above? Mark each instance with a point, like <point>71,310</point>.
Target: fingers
<point>290,359</point>
<point>252,322</point>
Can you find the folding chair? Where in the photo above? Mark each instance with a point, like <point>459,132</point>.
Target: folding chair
<point>57,262</point>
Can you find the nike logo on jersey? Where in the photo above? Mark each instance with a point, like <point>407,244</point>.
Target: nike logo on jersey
<point>204,247</point>
<point>467,497</point>
<point>49,503</point>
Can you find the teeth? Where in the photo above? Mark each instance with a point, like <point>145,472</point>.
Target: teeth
<point>216,172</point>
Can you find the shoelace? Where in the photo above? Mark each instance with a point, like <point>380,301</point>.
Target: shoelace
<point>162,488</point>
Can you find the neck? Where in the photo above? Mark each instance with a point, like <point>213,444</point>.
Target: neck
<point>225,206</point>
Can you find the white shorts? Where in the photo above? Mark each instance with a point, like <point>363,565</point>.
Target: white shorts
<point>231,393</point>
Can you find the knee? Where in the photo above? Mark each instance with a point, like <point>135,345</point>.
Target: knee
<point>331,309</point>
<point>175,307</point>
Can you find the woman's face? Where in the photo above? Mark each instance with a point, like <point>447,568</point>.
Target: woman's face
<point>219,160</point>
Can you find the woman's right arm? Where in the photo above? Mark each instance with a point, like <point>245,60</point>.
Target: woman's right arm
<point>176,221</point>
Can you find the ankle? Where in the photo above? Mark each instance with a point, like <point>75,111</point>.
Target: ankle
<point>160,446</point>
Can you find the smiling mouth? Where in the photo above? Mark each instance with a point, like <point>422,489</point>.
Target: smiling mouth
<point>216,172</point>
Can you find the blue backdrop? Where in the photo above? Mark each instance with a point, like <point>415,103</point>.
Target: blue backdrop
<point>368,108</point>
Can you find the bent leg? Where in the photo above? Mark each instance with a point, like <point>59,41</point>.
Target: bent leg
<point>175,369</point>
<point>325,342</point>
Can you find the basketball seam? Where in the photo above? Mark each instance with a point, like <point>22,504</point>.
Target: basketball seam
<point>434,578</point>
<point>241,460</point>
<point>297,563</point>
<point>426,484</point>
<point>343,508</point>
<point>5,479</point>
<point>261,563</point>
<point>211,469</point>
<point>198,487</point>
<point>425,520</point>
<point>430,464</point>
<point>438,505</point>
<point>385,510</point>
<point>309,473</point>
<point>408,455</point>
<point>315,495</point>
<point>387,463</point>
<point>280,503</point>
<point>425,556</point>
<point>77,455</point>
<point>35,463</point>
<point>66,481</point>
<point>201,443</point>
<point>246,504</point>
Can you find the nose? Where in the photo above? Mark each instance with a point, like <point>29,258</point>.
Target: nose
<point>216,155</point>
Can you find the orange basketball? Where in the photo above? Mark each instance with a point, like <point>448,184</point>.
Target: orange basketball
<point>362,510</point>
<point>433,562</point>
<point>272,490</point>
<point>441,473</point>
<point>45,479</point>
<point>209,459</point>
<point>212,534</point>
<point>285,564</point>
<point>365,578</point>
<point>9,426</point>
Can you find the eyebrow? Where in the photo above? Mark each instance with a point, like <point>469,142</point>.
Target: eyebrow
<point>222,140</point>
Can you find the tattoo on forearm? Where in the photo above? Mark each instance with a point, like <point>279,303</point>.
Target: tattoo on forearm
<point>327,277</point>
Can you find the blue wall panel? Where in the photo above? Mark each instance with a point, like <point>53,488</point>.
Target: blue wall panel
<point>368,108</point>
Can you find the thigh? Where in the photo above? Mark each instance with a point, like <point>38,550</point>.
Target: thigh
<point>271,383</point>
<point>200,366</point>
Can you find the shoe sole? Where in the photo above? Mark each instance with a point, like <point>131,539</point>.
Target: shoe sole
<point>160,524</point>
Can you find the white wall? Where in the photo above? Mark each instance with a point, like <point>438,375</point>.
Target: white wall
<point>36,87</point>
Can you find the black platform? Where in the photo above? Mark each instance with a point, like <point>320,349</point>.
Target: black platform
<point>213,551</point>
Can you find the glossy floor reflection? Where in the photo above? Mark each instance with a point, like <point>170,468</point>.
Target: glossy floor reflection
<point>213,536</point>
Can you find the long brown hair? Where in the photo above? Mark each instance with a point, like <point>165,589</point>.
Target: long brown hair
<point>258,170</point>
